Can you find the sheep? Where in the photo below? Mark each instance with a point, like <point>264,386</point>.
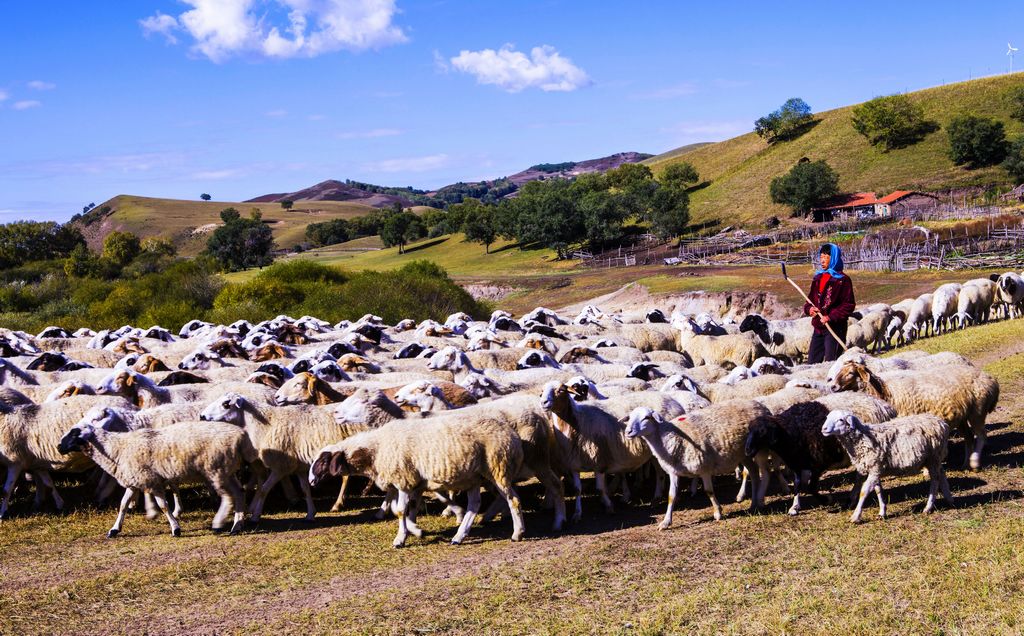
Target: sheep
<point>768,365</point>
<point>142,391</point>
<point>480,386</point>
<point>962,395</point>
<point>286,439</point>
<point>10,398</point>
<point>702,444</point>
<point>901,446</point>
<point>29,436</point>
<point>306,388</point>
<point>591,437</point>
<point>153,460</point>
<point>11,374</point>
<point>794,435</point>
<point>69,388</point>
<point>684,391</point>
<point>944,306</point>
<point>1011,292</point>
<point>426,395</point>
<point>786,397</point>
<point>787,339</point>
<point>734,349</point>
<point>870,330</point>
<point>651,337</point>
<point>744,389</point>
<point>919,320</point>
<point>974,302</point>
<point>444,454</point>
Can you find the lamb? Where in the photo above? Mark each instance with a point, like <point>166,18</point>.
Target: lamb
<point>702,444</point>
<point>794,435</point>
<point>788,339</point>
<point>974,302</point>
<point>426,395</point>
<point>286,439</point>
<point>869,330</point>
<point>960,394</point>
<point>155,460</point>
<point>437,455</point>
<point>901,446</point>
<point>733,349</point>
<point>944,306</point>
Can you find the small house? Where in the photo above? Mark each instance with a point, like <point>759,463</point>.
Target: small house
<point>865,205</point>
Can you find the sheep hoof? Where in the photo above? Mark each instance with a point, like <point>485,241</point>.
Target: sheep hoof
<point>235,530</point>
<point>113,532</point>
<point>794,512</point>
<point>398,544</point>
<point>416,532</point>
<point>176,532</point>
<point>152,515</point>
<point>335,508</point>
<point>456,541</point>
<point>664,525</point>
<point>517,537</point>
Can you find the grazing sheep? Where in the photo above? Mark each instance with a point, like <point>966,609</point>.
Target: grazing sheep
<point>426,395</point>
<point>902,446</point>
<point>788,339</point>
<point>733,349</point>
<point>306,388</point>
<point>786,397</point>
<point>651,337</point>
<point>869,331</point>
<point>69,388</point>
<point>702,444</point>
<point>974,302</point>
<point>961,395</point>
<point>1010,288</point>
<point>919,321</point>
<point>944,307</point>
<point>154,460</point>
<point>743,389</point>
<point>435,455</point>
<point>794,435</point>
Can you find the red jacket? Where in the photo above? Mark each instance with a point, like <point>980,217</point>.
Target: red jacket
<point>835,301</point>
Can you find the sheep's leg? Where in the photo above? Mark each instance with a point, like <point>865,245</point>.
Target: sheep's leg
<point>602,489</point>
<point>238,497</point>
<point>764,478</point>
<point>974,460</point>
<point>152,512</point>
<point>401,507</point>
<point>795,508</point>
<point>508,493</point>
<point>553,492</point>
<point>388,498</point>
<point>673,489</point>
<point>933,488</point>
<point>308,494</point>
<point>693,487</point>
<point>783,484</point>
<point>627,495</point>
<point>578,485</point>
<point>498,506</point>
<point>13,473</point>
<point>177,503</point>
<point>256,508</point>
<point>472,507</point>
<point>865,488</point>
<point>105,488</point>
<point>659,483</point>
<point>881,497</point>
<point>115,529</point>
<point>162,503</point>
<point>742,494</point>
<point>339,503</point>
<point>709,488</point>
<point>944,485</point>
<point>289,490</point>
<point>410,519</point>
<point>43,479</point>
<point>223,510</point>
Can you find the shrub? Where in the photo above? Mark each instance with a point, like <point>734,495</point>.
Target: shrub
<point>893,121</point>
<point>976,141</point>
<point>791,119</point>
<point>807,184</point>
<point>1014,162</point>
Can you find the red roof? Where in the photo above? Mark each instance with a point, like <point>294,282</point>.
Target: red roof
<point>862,199</point>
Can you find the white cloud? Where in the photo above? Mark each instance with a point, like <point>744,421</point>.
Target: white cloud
<point>408,164</point>
<point>161,24</point>
<point>668,92</point>
<point>316,117</point>
<point>3,95</point>
<point>217,175</point>
<point>226,28</point>
<point>25,104</point>
<point>39,85</point>
<point>369,134</point>
<point>280,112</point>
<point>513,71</point>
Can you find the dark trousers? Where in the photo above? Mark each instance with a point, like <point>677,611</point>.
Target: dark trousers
<point>823,346</point>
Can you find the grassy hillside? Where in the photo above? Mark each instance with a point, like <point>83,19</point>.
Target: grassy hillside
<point>184,221</point>
<point>741,168</point>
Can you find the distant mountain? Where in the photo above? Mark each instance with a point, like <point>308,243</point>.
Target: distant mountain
<point>487,191</point>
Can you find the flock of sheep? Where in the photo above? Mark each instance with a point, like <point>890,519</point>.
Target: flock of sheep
<point>447,410</point>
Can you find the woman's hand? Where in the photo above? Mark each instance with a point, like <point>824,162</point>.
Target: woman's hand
<point>814,311</point>
<point>823,318</point>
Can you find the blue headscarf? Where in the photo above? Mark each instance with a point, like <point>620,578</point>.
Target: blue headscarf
<point>835,264</point>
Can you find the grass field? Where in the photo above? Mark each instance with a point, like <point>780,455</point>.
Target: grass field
<point>740,169</point>
<point>177,219</point>
<point>958,571</point>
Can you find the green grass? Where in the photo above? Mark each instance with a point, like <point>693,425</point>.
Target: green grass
<point>740,169</point>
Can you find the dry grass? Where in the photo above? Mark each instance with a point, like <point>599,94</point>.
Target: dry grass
<point>958,571</point>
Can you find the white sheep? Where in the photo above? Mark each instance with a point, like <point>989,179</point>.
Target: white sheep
<point>902,446</point>
<point>154,460</point>
<point>944,307</point>
<point>919,320</point>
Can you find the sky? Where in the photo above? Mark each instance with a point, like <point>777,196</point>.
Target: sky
<point>238,98</point>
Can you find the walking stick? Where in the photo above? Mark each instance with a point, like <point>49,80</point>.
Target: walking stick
<point>799,289</point>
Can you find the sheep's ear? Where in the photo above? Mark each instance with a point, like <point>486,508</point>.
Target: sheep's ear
<point>338,464</point>
<point>130,380</point>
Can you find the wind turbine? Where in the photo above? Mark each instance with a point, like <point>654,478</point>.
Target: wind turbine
<point>1010,51</point>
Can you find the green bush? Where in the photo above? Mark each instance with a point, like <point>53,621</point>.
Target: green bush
<point>976,141</point>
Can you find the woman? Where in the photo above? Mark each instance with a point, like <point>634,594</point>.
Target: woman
<point>831,303</point>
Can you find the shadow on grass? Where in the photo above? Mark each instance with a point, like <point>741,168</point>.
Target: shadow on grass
<point>423,246</point>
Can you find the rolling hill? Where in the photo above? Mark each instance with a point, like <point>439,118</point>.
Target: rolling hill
<point>188,223</point>
<point>740,169</point>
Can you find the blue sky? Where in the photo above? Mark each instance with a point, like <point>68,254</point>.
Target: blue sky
<point>243,97</point>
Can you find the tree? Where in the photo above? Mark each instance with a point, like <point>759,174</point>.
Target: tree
<point>241,243</point>
<point>158,246</point>
<point>976,141</point>
<point>477,222</point>
<point>394,230</point>
<point>807,184</point>
<point>229,214</point>
<point>86,208</point>
<point>670,211</point>
<point>1014,162</point>
<point>328,233</point>
<point>205,197</point>
<point>603,215</point>
<point>787,122</point>
<point>121,248</point>
<point>81,263</point>
<point>287,204</point>
<point>24,241</point>
<point>1015,99</point>
<point>679,175</point>
<point>893,121</point>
